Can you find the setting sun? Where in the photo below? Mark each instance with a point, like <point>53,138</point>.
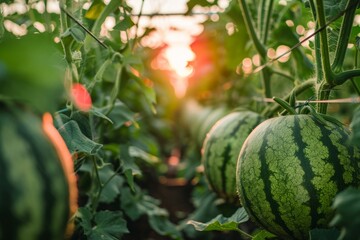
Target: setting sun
<point>178,58</point>
<point>175,59</point>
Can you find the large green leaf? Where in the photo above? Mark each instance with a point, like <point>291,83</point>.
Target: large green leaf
<point>334,7</point>
<point>304,66</point>
<point>163,226</point>
<point>264,235</point>
<point>221,223</point>
<point>347,213</point>
<point>32,71</point>
<point>136,204</point>
<point>119,115</point>
<point>147,91</point>
<point>129,167</point>
<point>107,225</point>
<point>112,184</point>
<point>76,141</point>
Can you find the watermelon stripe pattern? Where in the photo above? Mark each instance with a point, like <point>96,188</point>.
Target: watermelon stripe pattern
<point>33,188</point>
<point>289,170</point>
<point>221,149</point>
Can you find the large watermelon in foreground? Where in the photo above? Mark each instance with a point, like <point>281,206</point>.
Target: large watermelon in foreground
<point>289,170</point>
<point>34,193</point>
<point>221,149</point>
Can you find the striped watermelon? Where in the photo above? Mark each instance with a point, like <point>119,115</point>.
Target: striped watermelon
<point>221,149</point>
<point>289,170</point>
<point>207,124</point>
<point>34,193</point>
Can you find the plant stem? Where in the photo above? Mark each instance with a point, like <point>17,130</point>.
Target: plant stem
<point>259,46</point>
<point>271,110</point>
<point>283,75</point>
<point>324,48</point>
<point>324,74</point>
<point>137,24</point>
<point>356,85</point>
<point>261,18</point>
<point>249,24</point>
<point>343,76</point>
<point>111,7</point>
<point>344,35</point>
<point>266,76</point>
<point>95,201</point>
<point>265,30</point>
<point>323,93</point>
<point>102,186</point>
<point>64,24</point>
<point>244,233</point>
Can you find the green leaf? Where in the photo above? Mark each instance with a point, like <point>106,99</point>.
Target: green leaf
<point>334,7</point>
<point>221,223</point>
<point>141,154</point>
<point>355,127</point>
<point>357,41</point>
<point>130,201</point>
<point>108,225</point>
<point>263,235</point>
<point>124,24</point>
<point>33,70</point>
<point>163,226</point>
<point>84,217</point>
<point>136,204</point>
<point>304,67</point>
<point>76,141</point>
<point>114,183</point>
<point>129,166</point>
<point>119,115</point>
<point>95,9</point>
<point>148,92</point>
<point>347,213</point>
<point>2,29</point>
<point>324,234</point>
<point>97,112</point>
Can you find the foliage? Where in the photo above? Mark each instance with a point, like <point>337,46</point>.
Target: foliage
<point>347,209</point>
<point>221,223</point>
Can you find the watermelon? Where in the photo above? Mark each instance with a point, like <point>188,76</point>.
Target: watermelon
<point>207,124</point>
<point>34,192</point>
<point>289,170</point>
<point>221,149</point>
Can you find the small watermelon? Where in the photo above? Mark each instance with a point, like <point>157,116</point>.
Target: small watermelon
<point>221,149</point>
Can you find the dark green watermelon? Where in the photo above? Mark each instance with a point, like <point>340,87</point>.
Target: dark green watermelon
<point>221,149</point>
<point>289,170</point>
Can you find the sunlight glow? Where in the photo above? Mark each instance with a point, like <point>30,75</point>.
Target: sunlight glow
<point>179,58</point>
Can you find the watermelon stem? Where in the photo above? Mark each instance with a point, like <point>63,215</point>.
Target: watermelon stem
<point>244,233</point>
<point>285,105</point>
<point>272,109</point>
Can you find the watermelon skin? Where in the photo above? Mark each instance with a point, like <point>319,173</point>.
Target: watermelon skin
<point>34,195</point>
<point>207,124</point>
<point>289,170</point>
<point>221,149</point>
